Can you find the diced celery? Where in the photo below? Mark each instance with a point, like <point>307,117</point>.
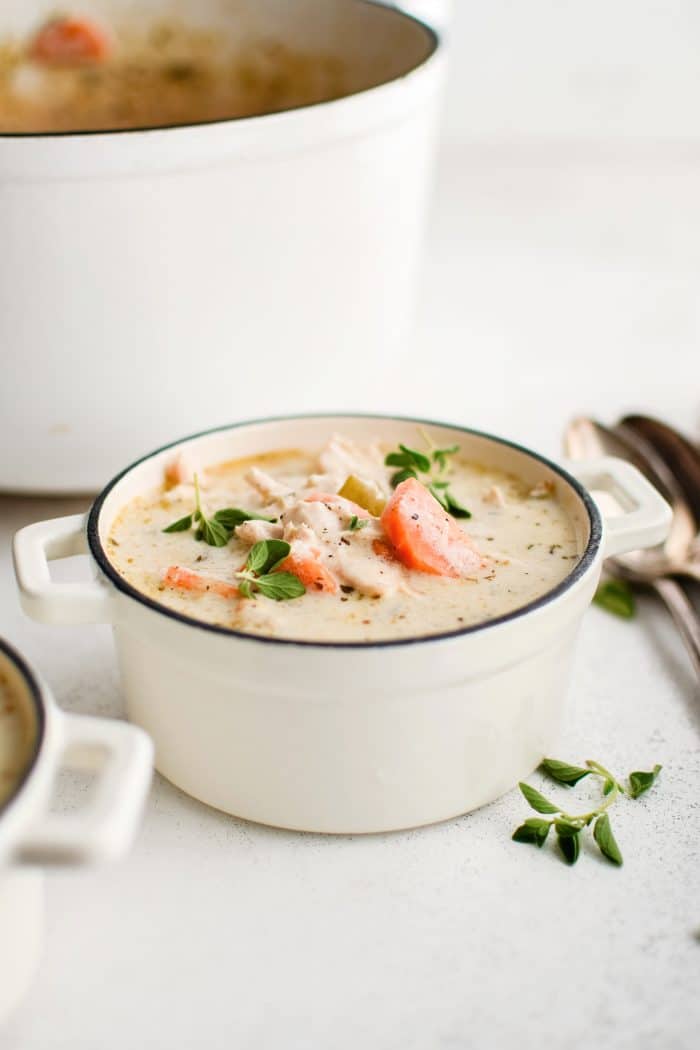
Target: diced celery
<point>364,493</point>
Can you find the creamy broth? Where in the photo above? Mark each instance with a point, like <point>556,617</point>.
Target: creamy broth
<point>17,732</point>
<point>518,544</point>
<point>167,74</point>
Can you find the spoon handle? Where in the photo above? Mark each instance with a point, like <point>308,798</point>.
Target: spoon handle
<point>684,615</point>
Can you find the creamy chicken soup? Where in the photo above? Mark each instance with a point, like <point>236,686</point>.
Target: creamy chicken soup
<point>17,728</point>
<point>75,75</point>
<point>351,543</point>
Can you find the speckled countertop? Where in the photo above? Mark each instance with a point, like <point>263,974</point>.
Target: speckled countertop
<point>554,283</point>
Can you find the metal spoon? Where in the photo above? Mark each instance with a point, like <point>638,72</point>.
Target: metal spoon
<point>683,546</point>
<point>586,439</point>
<point>680,456</point>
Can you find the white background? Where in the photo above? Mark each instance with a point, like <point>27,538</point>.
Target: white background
<point>563,257</point>
<point>562,68</point>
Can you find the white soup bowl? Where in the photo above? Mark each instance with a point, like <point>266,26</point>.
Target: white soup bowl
<point>342,737</point>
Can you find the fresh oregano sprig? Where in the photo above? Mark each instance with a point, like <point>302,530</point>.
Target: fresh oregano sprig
<point>259,575</point>
<point>617,597</point>
<point>219,528</point>
<point>433,464</point>
<point>567,826</point>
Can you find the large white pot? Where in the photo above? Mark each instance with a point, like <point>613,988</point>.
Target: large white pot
<point>166,280</point>
<point>351,737</point>
<point>31,836</point>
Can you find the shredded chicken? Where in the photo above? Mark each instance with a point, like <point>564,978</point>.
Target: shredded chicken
<point>28,81</point>
<point>254,531</point>
<point>327,520</point>
<point>368,575</point>
<point>494,496</point>
<point>271,490</point>
<point>180,470</point>
<point>301,534</point>
<point>342,457</point>
<point>542,490</point>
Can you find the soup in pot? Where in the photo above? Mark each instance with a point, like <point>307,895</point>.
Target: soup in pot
<point>75,75</point>
<point>17,728</point>
<point>352,542</point>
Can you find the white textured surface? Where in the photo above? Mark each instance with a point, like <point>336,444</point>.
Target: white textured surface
<point>557,282</point>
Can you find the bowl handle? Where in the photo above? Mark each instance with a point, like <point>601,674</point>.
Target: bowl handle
<point>122,758</point>
<point>46,600</point>
<point>643,518</point>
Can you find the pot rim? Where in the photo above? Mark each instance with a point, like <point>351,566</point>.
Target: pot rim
<point>579,570</point>
<point>37,695</point>
<point>434,46</point>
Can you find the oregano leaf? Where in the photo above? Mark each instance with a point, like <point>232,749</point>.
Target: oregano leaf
<point>570,848</point>
<point>230,517</point>
<point>563,772</point>
<point>397,459</point>
<point>419,459</point>
<point>212,532</point>
<point>534,830</point>
<point>602,833</point>
<point>280,586</point>
<point>181,525</point>
<point>616,597</point>
<point>402,475</point>
<point>440,455</point>
<point>456,509</point>
<point>536,800</point>
<point>641,781</point>
<point>264,555</point>
<point>568,840</point>
<point>440,495</point>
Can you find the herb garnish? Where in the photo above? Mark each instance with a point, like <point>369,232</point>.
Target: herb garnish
<point>217,530</point>
<point>567,826</point>
<point>434,463</point>
<point>259,574</point>
<point>357,523</point>
<point>617,597</point>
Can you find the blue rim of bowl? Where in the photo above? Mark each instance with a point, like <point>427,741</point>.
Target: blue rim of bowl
<point>579,569</point>
<point>35,692</point>
<point>434,43</point>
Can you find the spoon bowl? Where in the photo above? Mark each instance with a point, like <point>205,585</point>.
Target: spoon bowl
<point>677,556</point>
<point>657,566</point>
<point>682,457</point>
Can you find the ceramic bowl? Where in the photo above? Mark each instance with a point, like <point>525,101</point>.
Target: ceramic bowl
<point>346,737</point>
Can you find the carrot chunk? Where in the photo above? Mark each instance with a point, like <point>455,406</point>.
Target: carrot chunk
<point>312,573</point>
<point>180,579</point>
<point>424,536</point>
<point>69,41</point>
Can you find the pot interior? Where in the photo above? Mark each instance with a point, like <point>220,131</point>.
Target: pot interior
<point>310,433</point>
<point>21,724</point>
<point>267,56</point>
